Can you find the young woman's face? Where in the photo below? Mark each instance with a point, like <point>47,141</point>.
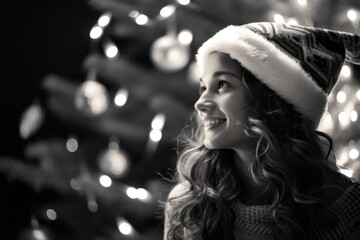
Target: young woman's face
<point>222,106</point>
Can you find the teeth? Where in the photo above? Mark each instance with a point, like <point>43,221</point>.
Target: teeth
<point>208,123</point>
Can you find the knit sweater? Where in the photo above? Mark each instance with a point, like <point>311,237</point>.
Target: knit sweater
<point>255,223</point>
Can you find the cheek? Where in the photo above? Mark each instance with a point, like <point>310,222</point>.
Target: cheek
<point>238,112</point>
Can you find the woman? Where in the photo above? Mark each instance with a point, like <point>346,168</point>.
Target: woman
<point>251,163</point>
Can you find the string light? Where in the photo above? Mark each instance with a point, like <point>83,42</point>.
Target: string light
<point>133,14</point>
<point>302,3</point>
<point>131,192</point>
<point>344,119</point>
<point>158,121</point>
<point>142,194</point>
<point>184,2</point>
<point>124,227</point>
<point>278,18</point>
<point>72,144</point>
<point>93,206</point>
<point>91,202</point>
<point>352,15</point>
<point>51,214</point>
<point>121,97</point>
<point>104,19</point>
<point>141,19</point>
<point>358,94</point>
<point>353,116</point>
<point>31,120</point>
<point>105,181</point>
<point>139,193</point>
<point>157,125</point>
<point>185,36</point>
<point>293,21</point>
<point>167,11</point>
<point>353,154</point>
<point>38,234</point>
<point>75,184</point>
<point>96,32</point>
<point>155,135</point>
<point>111,50</point>
<point>345,71</point>
<point>341,96</point>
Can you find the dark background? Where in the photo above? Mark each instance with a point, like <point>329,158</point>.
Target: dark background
<point>38,38</point>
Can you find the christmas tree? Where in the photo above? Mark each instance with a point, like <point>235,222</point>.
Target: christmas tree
<point>102,171</point>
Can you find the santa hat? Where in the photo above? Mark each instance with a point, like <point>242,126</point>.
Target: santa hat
<point>301,64</point>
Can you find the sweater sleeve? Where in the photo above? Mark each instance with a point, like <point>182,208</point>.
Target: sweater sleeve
<point>176,192</point>
<point>349,208</point>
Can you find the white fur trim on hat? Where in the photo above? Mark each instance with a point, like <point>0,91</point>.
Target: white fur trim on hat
<point>271,66</point>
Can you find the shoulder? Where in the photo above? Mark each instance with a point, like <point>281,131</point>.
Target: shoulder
<point>348,207</point>
<point>336,185</point>
<point>179,190</point>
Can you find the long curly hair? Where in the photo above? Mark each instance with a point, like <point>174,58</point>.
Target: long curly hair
<point>290,160</point>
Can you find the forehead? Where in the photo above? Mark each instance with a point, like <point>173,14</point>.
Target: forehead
<point>218,61</point>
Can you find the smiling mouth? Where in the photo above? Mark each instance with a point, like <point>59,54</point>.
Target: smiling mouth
<point>213,123</point>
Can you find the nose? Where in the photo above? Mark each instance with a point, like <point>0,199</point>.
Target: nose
<point>204,104</point>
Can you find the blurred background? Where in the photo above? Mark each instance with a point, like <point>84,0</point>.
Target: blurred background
<point>95,92</point>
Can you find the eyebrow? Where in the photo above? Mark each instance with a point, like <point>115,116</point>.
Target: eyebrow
<point>220,73</point>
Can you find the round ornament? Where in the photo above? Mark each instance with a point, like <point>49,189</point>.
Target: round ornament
<point>168,54</point>
<point>92,98</point>
<point>114,161</point>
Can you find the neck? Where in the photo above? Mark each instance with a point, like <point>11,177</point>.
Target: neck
<point>253,192</point>
<point>243,160</point>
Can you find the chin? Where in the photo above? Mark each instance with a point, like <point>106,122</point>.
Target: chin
<point>212,146</point>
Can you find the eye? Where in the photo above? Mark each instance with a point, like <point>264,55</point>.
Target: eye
<point>222,85</point>
<point>201,89</point>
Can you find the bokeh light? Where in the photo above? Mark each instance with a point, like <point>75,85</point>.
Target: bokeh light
<point>93,206</point>
<point>352,15</point>
<point>141,19</point>
<point>155,135</point>
<point>302,3</point>
<point>167,11</point>
<point>121,97</point>
<point>124,227</point>
<point>105,181</point>
<point>131,192</point>
<point>184,2</point>
<point>341,96</point>
<point>111,50</point>
<point>104,19</point>
<point>51,214</point>
<point>345,71</point>
<point>96,32</point>
<point>278,18</point>
<point>72,144</point>
<point>185,36</point>
<point>353,153</point>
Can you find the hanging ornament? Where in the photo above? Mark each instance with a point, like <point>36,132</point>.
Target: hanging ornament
<point>92,97</point>
<point>31,120</point>
<point>169,54</point>
<point>114,161</point>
